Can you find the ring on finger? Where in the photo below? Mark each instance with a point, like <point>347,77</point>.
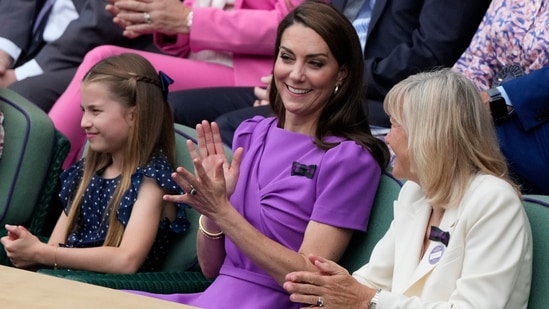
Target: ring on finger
<point>320,302</point>
<point>147,17</point>
<point>193,191</point>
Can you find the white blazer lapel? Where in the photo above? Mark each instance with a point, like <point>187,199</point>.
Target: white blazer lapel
<point>410,230</point>
<point>433,255</point>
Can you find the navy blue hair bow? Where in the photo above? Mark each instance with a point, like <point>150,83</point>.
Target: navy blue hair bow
<point>437,234</point>
<point>165,82</point>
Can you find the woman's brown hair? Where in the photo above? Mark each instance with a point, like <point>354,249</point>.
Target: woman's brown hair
<point>343,115</point>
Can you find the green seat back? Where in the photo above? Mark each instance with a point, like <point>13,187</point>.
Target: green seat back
<point>537,209</point>
<point>190,133</point>
<point>362,243</point>
<point>182,256</point>
<point>30,139</point>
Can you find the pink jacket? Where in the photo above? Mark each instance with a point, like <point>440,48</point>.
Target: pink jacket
<point>248,31</point>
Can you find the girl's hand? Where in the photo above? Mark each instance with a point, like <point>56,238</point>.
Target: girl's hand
<point>22,248</point>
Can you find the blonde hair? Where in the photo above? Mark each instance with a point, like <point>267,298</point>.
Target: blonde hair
<point>451,135</point>
<point>132,81</point>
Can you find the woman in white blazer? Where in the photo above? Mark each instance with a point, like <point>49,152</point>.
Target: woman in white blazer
<point>459,238</point>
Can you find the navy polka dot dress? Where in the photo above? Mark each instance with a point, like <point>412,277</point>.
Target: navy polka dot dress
<point>92,224</point>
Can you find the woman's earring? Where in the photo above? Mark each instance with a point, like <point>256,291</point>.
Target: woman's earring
<point>336,89</point>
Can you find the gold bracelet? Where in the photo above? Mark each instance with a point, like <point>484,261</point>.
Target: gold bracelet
<point>206,232</point>
<point>55,257</point>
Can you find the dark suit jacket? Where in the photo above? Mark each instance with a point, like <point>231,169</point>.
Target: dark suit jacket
<point>92,28</point>
<point>524,136</point>
<point>15,17</point>
<point>410,36</point>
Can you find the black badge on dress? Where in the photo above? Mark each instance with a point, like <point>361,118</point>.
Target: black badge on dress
<point>299,169</point>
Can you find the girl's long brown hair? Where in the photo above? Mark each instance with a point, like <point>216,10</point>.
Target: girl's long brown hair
<point>131,81</point>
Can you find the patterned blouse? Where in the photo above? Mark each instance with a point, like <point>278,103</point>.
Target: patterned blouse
<point>92,223</point>
<point>513,32</point>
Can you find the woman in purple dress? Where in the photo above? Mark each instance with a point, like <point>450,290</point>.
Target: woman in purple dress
<point>299,183</point>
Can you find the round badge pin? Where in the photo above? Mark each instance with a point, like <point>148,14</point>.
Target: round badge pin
<point>436,254</point>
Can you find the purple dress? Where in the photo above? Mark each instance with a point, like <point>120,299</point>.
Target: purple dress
<point>286,181</point>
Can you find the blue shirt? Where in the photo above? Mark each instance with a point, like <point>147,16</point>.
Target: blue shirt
<point>362,21</point>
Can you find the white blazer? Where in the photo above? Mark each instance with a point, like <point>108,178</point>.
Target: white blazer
<point>487,263</point>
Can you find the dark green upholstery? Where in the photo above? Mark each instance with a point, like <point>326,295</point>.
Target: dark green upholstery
<point>179,259</point>
<point>537,209</point>
<point>46,213</point>
<point>28,149</point>
<point>362,243</point>
<point>29,169</point>
<point>183,253</point>
<point>154,282</point>
<point>190,133</point>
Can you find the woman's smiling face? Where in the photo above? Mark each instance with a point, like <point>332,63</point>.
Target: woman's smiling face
<point>305,73</point>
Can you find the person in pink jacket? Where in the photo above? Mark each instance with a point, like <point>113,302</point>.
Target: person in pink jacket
<point>208,42</point>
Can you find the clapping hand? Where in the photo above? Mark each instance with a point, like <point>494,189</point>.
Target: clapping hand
<point>5,62</point>
<point>262,94</point>
<point>211,151</point>
<point>138,17</point>
<point>214,178</point>
<point>7,78</point>
<point>7,74</point>
<point>332,286</point>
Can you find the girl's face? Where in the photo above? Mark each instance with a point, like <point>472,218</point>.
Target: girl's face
<point>107,122</point>
<point>305,73</point>
<point>398,141</point>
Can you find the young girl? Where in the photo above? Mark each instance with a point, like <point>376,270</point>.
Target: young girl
<point>115,220</point>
